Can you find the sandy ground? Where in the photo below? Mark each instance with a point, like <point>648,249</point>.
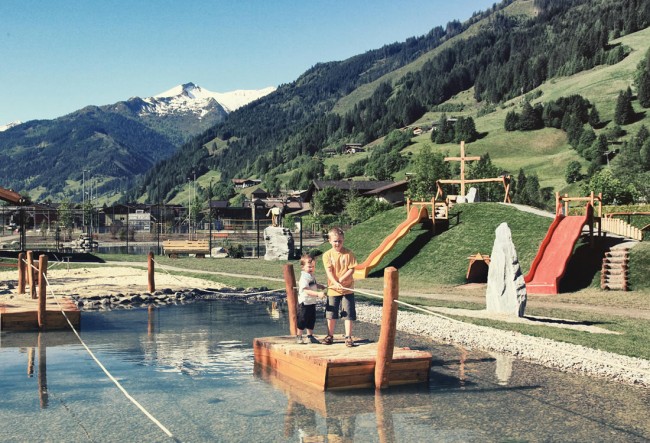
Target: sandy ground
<point>111,280</point>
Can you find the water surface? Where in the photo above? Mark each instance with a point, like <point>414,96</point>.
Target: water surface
<point>191,366</point>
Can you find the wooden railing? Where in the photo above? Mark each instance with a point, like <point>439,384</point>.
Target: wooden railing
<point>620,227</point>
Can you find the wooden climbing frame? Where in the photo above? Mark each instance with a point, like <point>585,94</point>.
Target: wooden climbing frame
<point>505,179</point>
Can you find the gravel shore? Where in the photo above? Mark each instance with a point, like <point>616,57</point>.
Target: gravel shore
<point>563,356</point>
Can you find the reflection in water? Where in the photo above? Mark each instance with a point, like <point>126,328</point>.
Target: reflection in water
<point>42,371</point>
<point>503,367</point>
<point>192,366</point>
<point>30,362</point>
<point>385,427</point>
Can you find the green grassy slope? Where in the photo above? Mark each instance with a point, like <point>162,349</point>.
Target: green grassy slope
<point>546,152</point>
<point>425,260</point>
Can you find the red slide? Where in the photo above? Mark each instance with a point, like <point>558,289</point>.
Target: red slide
<point>415,216</point>
<point>554,253</point>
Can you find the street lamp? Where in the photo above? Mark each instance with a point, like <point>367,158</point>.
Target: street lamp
<point>210,216</point>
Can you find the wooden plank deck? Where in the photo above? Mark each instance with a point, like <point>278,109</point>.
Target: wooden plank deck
<point>20,313</point>
<point>337,366</point>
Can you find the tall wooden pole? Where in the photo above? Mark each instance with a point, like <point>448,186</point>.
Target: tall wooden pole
<point>292,299</point>
<point>151,278</point>
<point>386,342</point>
<point>21,273</point>
<point>42,290</point>
<point>30,274</point>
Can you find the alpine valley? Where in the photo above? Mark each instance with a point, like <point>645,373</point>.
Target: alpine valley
<point>114,143</point>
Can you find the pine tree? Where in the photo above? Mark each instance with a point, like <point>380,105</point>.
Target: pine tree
<point>643,81</point>
<point>624,113</point>
<point>572,173</point>
<point>512,121</point>
<point>594,117</point>
<point>530,119</point>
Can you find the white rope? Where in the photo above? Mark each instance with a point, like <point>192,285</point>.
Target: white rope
<point>574,354</point>
<point>171,275</point>
<point>381,297</point>
<point>103,368</point>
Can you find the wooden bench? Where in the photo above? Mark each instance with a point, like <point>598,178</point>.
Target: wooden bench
<point>197,247</point>
<point>220,235</point>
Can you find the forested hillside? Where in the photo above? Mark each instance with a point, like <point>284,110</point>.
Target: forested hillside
<point>114,144</point>
<point>507,56</point>
<point>47,156</point>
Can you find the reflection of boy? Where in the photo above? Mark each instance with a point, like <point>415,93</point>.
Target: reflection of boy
<point>339,265</point>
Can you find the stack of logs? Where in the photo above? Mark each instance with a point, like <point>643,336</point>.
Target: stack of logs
<point>614,273</point>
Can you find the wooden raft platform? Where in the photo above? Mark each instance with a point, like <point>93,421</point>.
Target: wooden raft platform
<point>20,313</point>
<point>337,366</point>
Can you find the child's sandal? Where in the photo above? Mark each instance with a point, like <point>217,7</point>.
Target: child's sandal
<point>328,340</point>
<point>349,342</point>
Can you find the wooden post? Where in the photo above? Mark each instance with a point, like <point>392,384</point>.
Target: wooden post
<point>292,299</point>
<point>386,342</point>
<point>21,273</point>
<point>42,290</point>
<point>151,279</point>
<point>30,274</point>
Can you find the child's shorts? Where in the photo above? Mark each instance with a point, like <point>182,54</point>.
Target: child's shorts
<point>343,304</point>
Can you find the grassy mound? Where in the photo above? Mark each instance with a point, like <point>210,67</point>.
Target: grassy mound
<point>425,259</point>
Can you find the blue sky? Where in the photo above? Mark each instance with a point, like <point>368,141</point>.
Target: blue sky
<point>57,56</point>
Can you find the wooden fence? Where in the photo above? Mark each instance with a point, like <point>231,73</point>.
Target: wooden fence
<point>620,227</point>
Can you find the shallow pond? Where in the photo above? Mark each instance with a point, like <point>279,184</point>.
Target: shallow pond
<point>191,366</point>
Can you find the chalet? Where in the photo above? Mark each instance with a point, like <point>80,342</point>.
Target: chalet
<point>241,183</point>
<point>259,193</point>
<point>392,193</point>
<point>353,148</point>
<point>359,186</point>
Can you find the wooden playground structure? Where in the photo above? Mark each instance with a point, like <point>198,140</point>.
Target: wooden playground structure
<point>462,181</point>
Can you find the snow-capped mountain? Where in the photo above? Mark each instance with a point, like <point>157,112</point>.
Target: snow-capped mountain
<point>192,98</point>
<point>9,125</point>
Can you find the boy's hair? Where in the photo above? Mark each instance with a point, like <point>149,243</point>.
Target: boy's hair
<point>335,231</point>
<point>305,258</point>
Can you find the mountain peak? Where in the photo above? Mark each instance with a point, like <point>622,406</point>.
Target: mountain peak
<point>230,101</point>
<point>10,125</point>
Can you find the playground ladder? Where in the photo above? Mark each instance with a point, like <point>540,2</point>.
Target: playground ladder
<point>614,273</point>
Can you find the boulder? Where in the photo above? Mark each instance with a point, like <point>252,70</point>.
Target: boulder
<point>279,243</point>
<point>472,196</point>
<point>506,289</point>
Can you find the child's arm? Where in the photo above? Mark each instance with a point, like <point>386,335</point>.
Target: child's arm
<point>316,294</point>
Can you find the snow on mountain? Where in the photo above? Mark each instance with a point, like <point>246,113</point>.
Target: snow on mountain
<point>191,97</point>
<point>9,125</point>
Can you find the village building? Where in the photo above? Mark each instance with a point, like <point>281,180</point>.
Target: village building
<point>242,183</point>
<point>360,187</point>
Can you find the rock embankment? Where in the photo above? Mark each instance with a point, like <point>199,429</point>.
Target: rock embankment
<point>563,356</point>
<point>170,297</point>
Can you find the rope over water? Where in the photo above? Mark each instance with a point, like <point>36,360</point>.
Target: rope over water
<point>103,368</point>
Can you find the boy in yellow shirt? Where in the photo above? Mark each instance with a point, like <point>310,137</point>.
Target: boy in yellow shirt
<point>339,265</point>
